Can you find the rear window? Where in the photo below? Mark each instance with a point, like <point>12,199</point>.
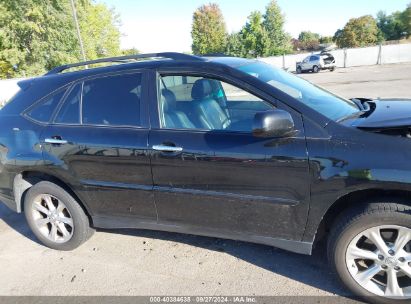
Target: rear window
<point>43,110</point>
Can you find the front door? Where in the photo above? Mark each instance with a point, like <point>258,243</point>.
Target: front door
<point>98,142</point>
<point>211,174</point>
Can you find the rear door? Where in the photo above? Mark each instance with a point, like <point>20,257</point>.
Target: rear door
<point>98,142</point>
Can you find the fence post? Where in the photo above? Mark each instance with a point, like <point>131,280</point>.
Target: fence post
<point>283,61</point>
<point>345,58</point>
<point>379,59</point>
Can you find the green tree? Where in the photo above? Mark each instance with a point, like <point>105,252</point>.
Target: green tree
<point>132,51</point>
<point>406,19</point>
<point>280,41</point>
<point>391,26</point>
<point>308,40</point>
<point>37,35</point>
<point>100,30</point>
<point>235,46</point>
<point>208,30</point>
<point>254,37</point>
<point>326,39</point>
<point>358,32</point>
<point>306,36</point>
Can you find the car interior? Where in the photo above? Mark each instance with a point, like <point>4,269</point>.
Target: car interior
<point>188,102</point>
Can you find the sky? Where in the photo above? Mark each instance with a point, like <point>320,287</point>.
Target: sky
<point>165,25</point>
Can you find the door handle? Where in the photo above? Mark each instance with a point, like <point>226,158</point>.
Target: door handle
<point>56,141</point>
<point>164,148</point>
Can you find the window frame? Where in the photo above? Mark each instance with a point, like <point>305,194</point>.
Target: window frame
<point>155,113</point>
<point>143,105</point>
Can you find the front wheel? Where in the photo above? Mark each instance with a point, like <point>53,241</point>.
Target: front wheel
<point>299,70</point>
<point>370,249</point>
<point>55,217</point>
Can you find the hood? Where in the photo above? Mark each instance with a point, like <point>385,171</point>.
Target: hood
<point>387,113</point>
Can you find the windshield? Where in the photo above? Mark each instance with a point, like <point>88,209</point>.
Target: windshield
<point>320,100</point>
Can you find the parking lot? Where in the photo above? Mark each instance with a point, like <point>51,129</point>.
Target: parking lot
<point>374,81</point>
<point>136,262</point>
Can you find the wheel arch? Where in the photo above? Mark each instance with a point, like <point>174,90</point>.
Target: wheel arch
<point>27,179</point>
<point>355,199</point>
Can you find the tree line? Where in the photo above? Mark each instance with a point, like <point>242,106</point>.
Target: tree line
<point>37,35</point>
<point>264,35</point>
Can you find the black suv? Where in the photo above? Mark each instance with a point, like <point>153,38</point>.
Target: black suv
<point>216,146</point>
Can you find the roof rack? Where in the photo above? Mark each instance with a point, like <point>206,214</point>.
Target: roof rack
<point>167,55</point>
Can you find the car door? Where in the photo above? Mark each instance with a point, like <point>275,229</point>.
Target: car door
<point>224,181</point>
<point>313,61</point>
<point>98,142</point>
<point>305,64</point>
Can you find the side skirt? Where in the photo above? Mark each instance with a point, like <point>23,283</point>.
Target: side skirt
<point>108,222</point>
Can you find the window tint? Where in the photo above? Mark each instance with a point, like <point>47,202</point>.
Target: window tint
<point>313,58</point>
<point>43,111</point>
<point>70,111</point>
<point>113,100</point>
<point>188,102</point>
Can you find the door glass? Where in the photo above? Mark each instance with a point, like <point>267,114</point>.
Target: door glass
<point>113,100</point>
<point>43,111</point>
<point>70,111</point>
<point>188,102</point>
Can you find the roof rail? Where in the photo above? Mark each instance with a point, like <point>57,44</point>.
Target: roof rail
<point>168,55</point>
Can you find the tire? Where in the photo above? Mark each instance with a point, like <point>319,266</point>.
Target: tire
<point>55,217</point>
<point>348,234</point>
<point>299,70</point>
<point>332,69</point>
<point>315,69</point>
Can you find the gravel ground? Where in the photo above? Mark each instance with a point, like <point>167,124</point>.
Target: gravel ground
<point>140,262</point>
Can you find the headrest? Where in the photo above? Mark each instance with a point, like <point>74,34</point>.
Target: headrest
<point>201,89</point>
<point>168,99</point>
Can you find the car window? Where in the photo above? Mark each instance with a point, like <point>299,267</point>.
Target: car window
<point>113,100</point>
<point>189,102</point>
<point>320,100</point>
<point>313,58</point>
<point>43,111</point>
<point>70,110</point>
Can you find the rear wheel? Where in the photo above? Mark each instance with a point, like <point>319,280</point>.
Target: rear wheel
<point>370,249</point>
<point>55,217</point>
<point>316,69</point>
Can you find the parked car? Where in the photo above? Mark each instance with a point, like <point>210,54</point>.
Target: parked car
<point>216,146</point>
<point>315,63</point>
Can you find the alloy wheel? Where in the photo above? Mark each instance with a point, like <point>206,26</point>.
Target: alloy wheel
<point>52,218</point>
<point>379,260</point>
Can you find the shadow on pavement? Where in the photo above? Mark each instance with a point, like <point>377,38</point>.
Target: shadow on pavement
<point>17,222</point>
<point>311,270</point>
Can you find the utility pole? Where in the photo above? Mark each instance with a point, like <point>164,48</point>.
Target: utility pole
<point>73,8</point>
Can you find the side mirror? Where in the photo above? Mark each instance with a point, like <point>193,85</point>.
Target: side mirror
<point>273,123</point>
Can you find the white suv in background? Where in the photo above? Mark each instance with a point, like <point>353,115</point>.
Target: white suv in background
<point>315,63</point>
